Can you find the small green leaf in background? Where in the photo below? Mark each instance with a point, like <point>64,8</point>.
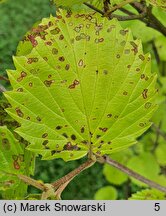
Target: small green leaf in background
<point>146,165</point>
<point>85,86</point>
<point>148,194</point>
<point>113,175</point>
<point>161,153</point>
<point>106,193</point>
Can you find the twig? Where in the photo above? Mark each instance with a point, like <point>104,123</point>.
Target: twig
<point>145,16</point>
<point>72,174</point>
<point>131,173</point>
<point>94,8</point>
<point>124,18</point>
<point>120,5</point>
<point>4,78</point>
<point>2,88</point>
<point>32,182</point>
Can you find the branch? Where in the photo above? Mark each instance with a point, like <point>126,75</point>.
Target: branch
<point>72,174</point>
<point>4,78</point>
<point>131,173</point>
<point>94,8</point>
<point>145,14</point>
<point>2,88</point>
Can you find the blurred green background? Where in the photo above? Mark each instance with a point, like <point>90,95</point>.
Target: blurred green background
<point>16,18</point>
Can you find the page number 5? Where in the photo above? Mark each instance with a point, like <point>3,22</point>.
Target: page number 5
<point>157,207</point>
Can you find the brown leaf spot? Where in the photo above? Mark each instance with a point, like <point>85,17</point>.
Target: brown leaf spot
<point>125,93</point>
<point>103,129</point>
<point>61,58</point>
<point>109,115</point>
<point>82,129</point>
<point>148,105</point>
<point>16,165</point>
<point>48,43</point>
<point>44,135</point>
<point>48,82</point>
<point>144,93</point>
<point>30,84</point>
<point>38,119</point>
<point>58,127</point>
<point>141,124</point>
<point>54,51</point>
<point>19,112</point>
<point>141,57</point>
<point>67,67</point>
<point>117,56</point>
<point>73,137</point>
<point>80,63</point>
<point>74,84</point>
<point>20,90</point>
<point>45,142</point>
<point>55,31</point>
<point>65,135</point>
<point>61,37</point>
<point>23,74</point>
<point>142,76</point>
<point>135,47</point>
<point>5,144</point>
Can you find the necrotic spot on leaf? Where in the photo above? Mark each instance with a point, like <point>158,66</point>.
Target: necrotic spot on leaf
<point>109,115</point>
<point>23,74</point>
<point>5,144</point>
<point>38,118</point>
<point>58,127</point>
<point>44,135</point>
<point>103,129</point>
<point>141,57</point>
<point>20,90</point>
<point>74,84</point>
<point>148,105</point>
<point>125,93</point>
<point>55,31</point>
<point>45,142</point>
<point>19,112</point>
<point>144,93</point>
<point>67,67</point>
<point>141,124</point>
<point>48,82</point>
<point>61,37</point>
<point>73,137</point>
<point>54,51</point>
<point>65,135</point>
<point>16,165</point>
<point>82,129</point>
<point>30,84</point>
<point>61,58</point>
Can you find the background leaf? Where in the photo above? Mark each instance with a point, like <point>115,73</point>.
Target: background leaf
<point>106,193</point>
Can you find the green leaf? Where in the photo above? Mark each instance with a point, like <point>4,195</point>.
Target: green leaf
<point>146,165</point>
<point>160,43</point>
<point>161,153</point>
<point>158,3</point>
<point>148,194</point>
<point>106,193</point>
<point>85,86</point>
<point>13,161</point>
<point>114,175</point>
